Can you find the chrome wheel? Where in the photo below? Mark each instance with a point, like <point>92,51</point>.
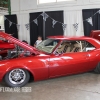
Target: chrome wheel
<point>17,76</point>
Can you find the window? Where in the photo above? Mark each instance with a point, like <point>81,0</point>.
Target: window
<point>88,46</point>
<point>46,1</point>
<point>50,1</point>
<point>74,46</point>
<point>47,45</point>
<point>65,0</point>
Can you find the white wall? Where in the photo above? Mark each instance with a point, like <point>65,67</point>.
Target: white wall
<point>2,21</point>
<point>2,13</point>
<point>27,6</point>
<point>21,7</point>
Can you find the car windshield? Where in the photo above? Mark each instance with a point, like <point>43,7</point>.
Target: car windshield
<point>47,45</point>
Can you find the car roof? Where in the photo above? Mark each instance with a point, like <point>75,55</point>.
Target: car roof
<point>70,38</point>
<point>91,40</point>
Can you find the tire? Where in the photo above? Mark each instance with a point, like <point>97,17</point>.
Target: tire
<point>17,77</point>
<point>97,69</point>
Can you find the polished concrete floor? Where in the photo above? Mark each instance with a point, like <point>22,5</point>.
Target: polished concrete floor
<point>76,87</point>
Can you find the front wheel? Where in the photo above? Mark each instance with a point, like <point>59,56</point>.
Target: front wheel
<point>17,78</point>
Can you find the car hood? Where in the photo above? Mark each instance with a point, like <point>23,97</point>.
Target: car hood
<point>18,42</point>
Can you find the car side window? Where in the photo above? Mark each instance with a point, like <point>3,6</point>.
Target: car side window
<point>64,47</point>
<point>74,46</point>
<point>88,46</point>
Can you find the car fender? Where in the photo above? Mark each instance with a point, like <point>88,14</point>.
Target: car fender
<point>39,70</point>
<point>20,67</point>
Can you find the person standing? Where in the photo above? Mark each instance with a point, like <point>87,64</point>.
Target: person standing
<point>39,40</point>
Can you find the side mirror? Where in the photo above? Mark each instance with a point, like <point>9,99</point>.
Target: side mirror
<point>58,54</point>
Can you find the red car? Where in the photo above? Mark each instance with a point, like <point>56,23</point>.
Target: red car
<point>56,56</point>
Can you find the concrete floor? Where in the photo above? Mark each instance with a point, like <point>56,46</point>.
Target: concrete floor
<point>76,87</point>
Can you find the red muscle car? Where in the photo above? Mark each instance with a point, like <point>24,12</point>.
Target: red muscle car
<point>56,56</point>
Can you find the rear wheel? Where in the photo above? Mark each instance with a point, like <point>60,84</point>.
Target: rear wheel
<point>97,69</point>
<point>17,78</point>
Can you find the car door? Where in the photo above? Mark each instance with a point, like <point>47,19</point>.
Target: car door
<point>68,63</point>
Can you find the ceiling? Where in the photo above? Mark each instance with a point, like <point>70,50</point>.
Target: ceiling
<point>4,3</point>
